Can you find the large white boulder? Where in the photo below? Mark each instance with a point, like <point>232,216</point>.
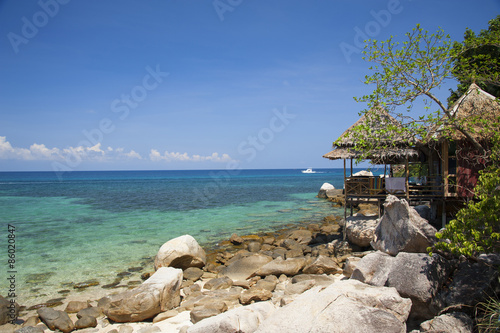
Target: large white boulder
<point>401,229</point>
<point>181,252</point>
<point>345,306</point>
<point>245,319</point>
<point>324,190</point>
<point>161,292</point>
<point>363,173</point>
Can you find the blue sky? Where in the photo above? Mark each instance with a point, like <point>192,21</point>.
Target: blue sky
<point>123,85</point>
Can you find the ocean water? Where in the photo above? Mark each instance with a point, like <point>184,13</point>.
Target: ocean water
<point>94,225</point>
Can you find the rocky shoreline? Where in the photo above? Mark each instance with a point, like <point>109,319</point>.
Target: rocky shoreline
<point>292,280</point>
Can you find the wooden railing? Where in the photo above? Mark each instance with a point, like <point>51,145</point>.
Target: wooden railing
<point>375,187</point>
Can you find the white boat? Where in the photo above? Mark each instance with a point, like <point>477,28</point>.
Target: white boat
<point>308,170</point>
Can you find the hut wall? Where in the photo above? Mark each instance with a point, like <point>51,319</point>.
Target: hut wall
<point>468,169</point>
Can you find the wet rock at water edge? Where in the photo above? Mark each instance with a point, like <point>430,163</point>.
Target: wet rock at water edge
<point>38,278</point>
<point>236,240</point>
<point>86,284</point>
<point>75,306</point>
<point>135,269</point>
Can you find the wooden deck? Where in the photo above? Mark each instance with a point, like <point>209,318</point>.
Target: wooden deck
<point>373,187</point>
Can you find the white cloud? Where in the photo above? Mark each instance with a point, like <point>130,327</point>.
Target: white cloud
<point>41,152</point>
<point>97,153</point>
<point>132,154</point>
<point>167,156</point>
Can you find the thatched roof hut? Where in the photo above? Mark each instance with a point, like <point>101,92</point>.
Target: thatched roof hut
<point>388,141</point>
<point>474,110</point>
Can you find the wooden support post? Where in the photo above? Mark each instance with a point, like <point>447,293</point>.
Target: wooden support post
<point>345,193</point>
<point>445,169</point>
<point>407,176</point>
<point>443,215</point>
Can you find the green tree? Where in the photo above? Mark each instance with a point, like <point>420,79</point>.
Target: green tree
<point>478,61</point>
<point>404,72</point>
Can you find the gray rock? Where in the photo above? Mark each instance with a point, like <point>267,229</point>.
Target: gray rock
<point>86,321</point>
<point>181,252</point>
<point>360,230</point>
<point>254,247</point>
<point>8,311</point>
<point>424,211</point>
<point>472,283</point>
<point>266,284</point>
<point>244,268</point>
<point>31,321</point>
<point>324,188</point>
<point>165,315</point>
<point>236,240</point>
<point>456,322</point>
<point>294,253</point>
<point>341,307</point>
<point>244,319</point>
<point>319,280</point>
<point>8,328</point>
<point>29,329</point>
<point>401,229</point>
<point>230,297</point>
<point>301,236</point>
<point>419,277</point>
<point>219,283</point>
<point>492,259</point>
<point>299,287</point>
<point>279,252</point>
<point>255,295</point>
<point>279,266</point>
<point>373,269</point>
<point>323,265</point>
<point>350,265</point>
<point>339,248</point>
<point>90,311</point>
<point>75,306</point>
<point>193,273</point>
<point>55,319</point>
<point>210,310</point>
<point>161,292</point>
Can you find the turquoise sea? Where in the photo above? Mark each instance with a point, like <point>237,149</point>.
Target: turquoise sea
<point>93,225</point>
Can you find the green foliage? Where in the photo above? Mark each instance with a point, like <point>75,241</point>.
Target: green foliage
<point>478,60</point>
<point>403,72</point>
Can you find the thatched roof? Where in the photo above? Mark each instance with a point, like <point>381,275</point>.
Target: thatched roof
<point>377,156</point>
<point>375,120</point>
<point>473,105</point>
